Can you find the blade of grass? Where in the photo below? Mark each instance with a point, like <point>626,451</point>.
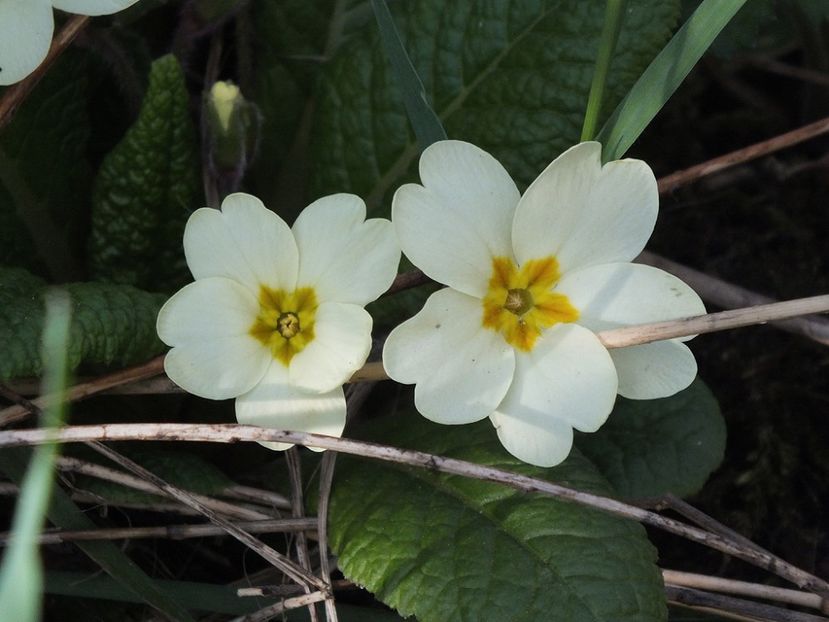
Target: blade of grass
<point>426,124</point>
<point>614,11</point>
<point>21,575</point>
<point>662,77</point>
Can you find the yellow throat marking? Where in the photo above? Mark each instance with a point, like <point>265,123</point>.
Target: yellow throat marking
<point>285,324</point>
<point>520,304</point>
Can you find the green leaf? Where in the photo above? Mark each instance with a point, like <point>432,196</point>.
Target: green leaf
<point>450,548</point>
<point>511,77</point>
<point>425,123</point>
<point>146,189</point>
<point>649,448</point>
<point>664,75</point>
<point>45,179</point>
<point>21,574</point>
<point>111,324</point>
<point>63,513</point>
<point>181,469</point>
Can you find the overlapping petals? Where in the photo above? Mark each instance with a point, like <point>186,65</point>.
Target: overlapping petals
<point>274,318</point>
<point>26,28</point>
<point>467,227</point>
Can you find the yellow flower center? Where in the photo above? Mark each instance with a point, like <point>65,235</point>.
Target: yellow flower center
<point>520,304</point>
<point>285,324</point>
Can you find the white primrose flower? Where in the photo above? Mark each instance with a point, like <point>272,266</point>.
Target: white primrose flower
<point>275,316</point>
<point>26,28</point>
<point>531,279</point>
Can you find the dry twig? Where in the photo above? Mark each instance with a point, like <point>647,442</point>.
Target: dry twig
<point>230,433</point>
<point>172,532</point>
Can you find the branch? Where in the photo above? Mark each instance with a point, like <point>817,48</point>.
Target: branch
<point>752,152</point>
<point>230,433</point>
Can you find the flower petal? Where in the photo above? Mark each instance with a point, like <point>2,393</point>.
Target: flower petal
<point>462,369</point>
<point>460,218</point>
<point>567,380</point>
<point>585,213</point>
<point>244,241</point>
<point>207,323</point>
<point>343,256</point>
<point>341,344</point>
<point>621,294</point>
<point>92,7</point>
<point>26,28</point>
<point>278,404</point>
<point>654,370</point>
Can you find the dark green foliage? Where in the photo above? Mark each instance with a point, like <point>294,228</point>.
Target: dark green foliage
<point>451,548</point>
<point>511,77</point>
<point>111,324</point>
<point>649,448</point>
<point>146,189</point>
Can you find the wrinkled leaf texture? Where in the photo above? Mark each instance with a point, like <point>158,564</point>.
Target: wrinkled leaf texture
<point>444,547</point>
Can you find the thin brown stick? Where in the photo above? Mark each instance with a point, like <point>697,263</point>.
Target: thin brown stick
<point>85,389</point>
<point>230,433</point>
<point>257,495</point>
<point>171,532</point>
<point>616,338</point>
<point>16,94</point>
<point>329,460</point>
<point>276,558</point>
<point>281,591</point>
<point>751,609</point>
<point>297,511</point>
<point>90,469</point>
<point>272,611</point>
<point>730,296</point>
<point>684,177</point>
<point>744,588</point>
<point>712,322</point>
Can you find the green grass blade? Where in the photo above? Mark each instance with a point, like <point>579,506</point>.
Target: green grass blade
<point>21,574</point>
<point>662,77</point>
<point>426,124</point>
<point>614,12</point>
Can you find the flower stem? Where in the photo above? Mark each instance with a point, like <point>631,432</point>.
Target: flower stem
<point>607,44</point>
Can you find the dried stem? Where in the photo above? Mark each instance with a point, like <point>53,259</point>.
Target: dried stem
<point>272,611</point>
<point>15,95</point>
<point>172,532</point>
<point>681,178</point>
<point>730,296</point>
<point>616,338</point>
<point>297,511</point>
<point>280,561</point>
<point>229,510</point>
<point>749,609</point>
<point>743,588</point>
<point>229,433</point>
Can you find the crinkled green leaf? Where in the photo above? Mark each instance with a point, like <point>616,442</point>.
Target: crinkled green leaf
<point>181,469</point>
<point>512,77</point>
<point>45,179</point>
<point>111,324</point>
<point>649,448</point>
<point>451,548</point>
<point>146,189</point>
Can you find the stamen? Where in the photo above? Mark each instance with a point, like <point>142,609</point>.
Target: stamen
<point>519,301</point>
<point>287,325</point>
